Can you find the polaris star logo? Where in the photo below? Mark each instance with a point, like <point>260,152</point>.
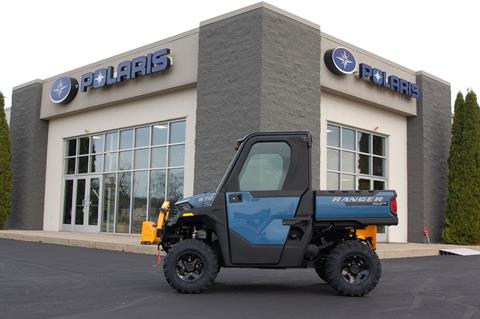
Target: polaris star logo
<point>340,61</point>
<point>63,90</point>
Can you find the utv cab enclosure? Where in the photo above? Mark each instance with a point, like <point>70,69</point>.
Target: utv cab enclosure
<point>264,214</point>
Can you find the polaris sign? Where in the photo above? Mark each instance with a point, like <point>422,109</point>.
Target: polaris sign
<point>341,61</point>
<point>64,89</point>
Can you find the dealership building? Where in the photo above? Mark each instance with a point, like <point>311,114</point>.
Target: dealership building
<point>98,148</point>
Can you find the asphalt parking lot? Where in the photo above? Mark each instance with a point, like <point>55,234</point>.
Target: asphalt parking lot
<point>52,281</point>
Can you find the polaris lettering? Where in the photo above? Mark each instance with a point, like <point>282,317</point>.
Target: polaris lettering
<point>392,82</point>
<point>142,65</point>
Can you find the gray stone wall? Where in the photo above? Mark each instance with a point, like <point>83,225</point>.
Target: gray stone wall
<point>255,73</point>
<point>428,144</point>
<point>29,137</point>
<point>291,80</point>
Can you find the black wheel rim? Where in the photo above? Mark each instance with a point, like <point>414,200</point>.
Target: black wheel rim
<point>355,270</point>
<point>190,267</point>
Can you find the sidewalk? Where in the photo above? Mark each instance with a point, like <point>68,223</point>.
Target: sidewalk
<point>131,243</point>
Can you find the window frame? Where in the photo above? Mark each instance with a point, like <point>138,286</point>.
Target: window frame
<point>117,170</point>
<point>356,174</point>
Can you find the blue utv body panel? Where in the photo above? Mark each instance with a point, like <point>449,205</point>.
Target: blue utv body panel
<point>346,207</point>
<point>259,220</point>
<point>199,200</point>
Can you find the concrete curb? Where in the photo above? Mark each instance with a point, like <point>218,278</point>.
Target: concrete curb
<point>85,243</point>
<point>131,244</point>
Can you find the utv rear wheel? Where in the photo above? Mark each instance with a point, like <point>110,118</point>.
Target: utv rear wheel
<point>353,268</point>
<point>190,266</point>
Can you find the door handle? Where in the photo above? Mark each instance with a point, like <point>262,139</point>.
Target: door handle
<point>235,198</point>
<point>295,221</point>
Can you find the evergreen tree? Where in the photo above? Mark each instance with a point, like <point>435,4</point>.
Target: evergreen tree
<point>462,216</point>
<point>5,170</point>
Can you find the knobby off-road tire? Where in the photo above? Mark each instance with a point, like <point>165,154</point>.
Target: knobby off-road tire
<point>353,268</point>
<point>190,266</point>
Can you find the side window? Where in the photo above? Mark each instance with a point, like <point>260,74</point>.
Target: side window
<point>266,167</point>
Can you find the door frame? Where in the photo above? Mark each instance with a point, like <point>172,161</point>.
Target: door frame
<point>85,227</point>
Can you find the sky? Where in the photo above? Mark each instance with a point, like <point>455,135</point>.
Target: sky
<point>40,39</point>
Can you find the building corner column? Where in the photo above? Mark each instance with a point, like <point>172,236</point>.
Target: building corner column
<point>428,146</point>
<point>29,137</point>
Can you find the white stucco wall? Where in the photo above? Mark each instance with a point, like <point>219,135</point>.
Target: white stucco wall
<point>174,105</point>
<point>366,117</point>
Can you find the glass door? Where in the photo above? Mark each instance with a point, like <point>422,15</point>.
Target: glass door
<point>82,204</point>
<point>93,205</point>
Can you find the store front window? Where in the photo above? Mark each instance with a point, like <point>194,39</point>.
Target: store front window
<point>116,180</point>
<point>356,160</point>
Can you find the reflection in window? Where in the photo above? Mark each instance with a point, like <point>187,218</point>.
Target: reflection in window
<point>111,141</point>
<point>140,168</point>
<point>84,145</point>
<point>71,147</point>
<point>333,159</point>
<point>126,139</point>
<point>123,211</point>
<point>159,157</point>
<point>348,162</point>
<point>142,136</point>
<point>333,135</point>
<point>141,158</point>
<point>157,193</point>
<point>378,145</point>
<point>348,181</point>
<point>108,211</point>
<point>125,161</point>
<point>355,159</point>
<point>139,210</point>
<point>363,164</point>
<point>177,132</point>
<point>176,155</point>
<point>70,166</point>
<point>96,162</point>
<point>348,139</point>
<point>68,200</point>
<point>110,162</point>
<point>97,144</point>
<point>364,142</point>
<point>82,164</point>
<point>333,181</point>
<point>175,184</point>
<point>159,134</point>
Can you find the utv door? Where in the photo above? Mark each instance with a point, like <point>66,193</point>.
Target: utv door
<point>264,188</point>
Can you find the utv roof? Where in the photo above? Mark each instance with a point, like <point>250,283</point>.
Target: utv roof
<point>276,133</point>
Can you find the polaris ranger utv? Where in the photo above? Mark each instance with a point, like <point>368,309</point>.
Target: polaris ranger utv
<point>264,214</point>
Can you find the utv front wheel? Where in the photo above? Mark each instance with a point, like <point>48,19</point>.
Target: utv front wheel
<point>190,266</point>
<point>353,268</point>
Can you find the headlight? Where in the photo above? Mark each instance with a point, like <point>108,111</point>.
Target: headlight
<point>183,207</point>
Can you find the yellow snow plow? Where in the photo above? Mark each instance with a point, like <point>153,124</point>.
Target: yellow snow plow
<point>152,233</point>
